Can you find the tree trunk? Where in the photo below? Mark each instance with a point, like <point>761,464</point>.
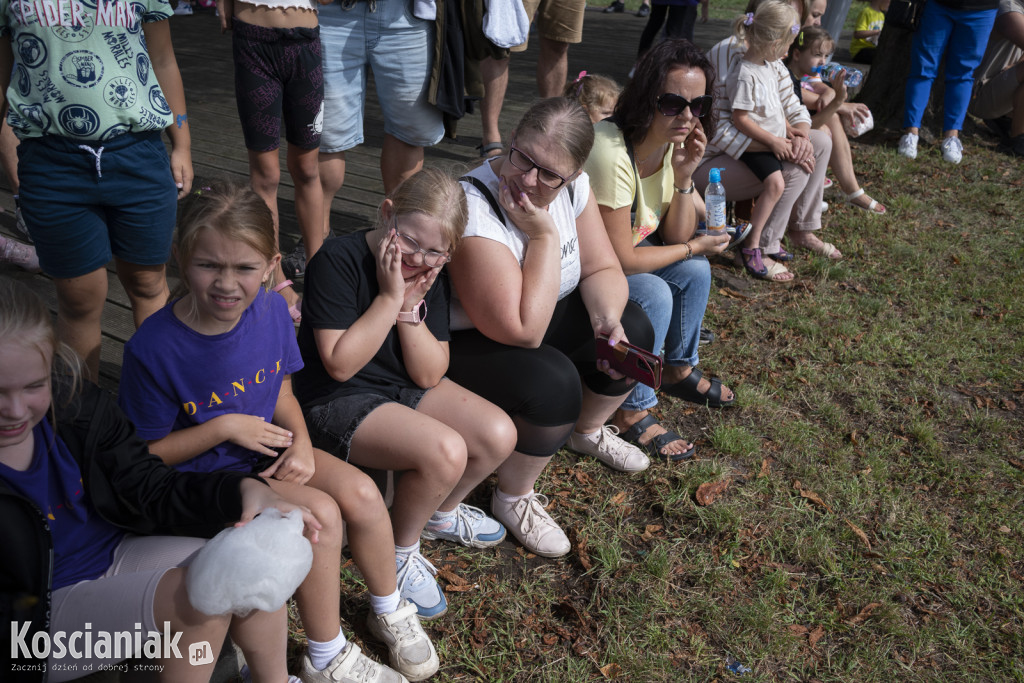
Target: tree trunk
<point>884,87</point>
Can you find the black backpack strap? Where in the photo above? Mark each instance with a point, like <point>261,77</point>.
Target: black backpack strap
<point>488,195</point>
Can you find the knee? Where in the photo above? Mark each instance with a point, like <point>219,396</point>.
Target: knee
<point>500,439</point>
<point>449,456</point>
<point>146,284</point>
<point>265,178</point>
<point>774,186</point>
<point>326,511</point>
<point>360,498</point>
<point>305,170</point>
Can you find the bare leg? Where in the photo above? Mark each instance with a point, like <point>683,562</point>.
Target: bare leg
<point>518,474</point>
<point>841,162</point>
<point>552,66</point>
<point>263,639</point>
<point>430,455</point>
<point>596,410</point>
<point>146,287</point>
<point>319,595</point>
<point>265,178</point>
<point>80,302</point>
<point>495,77</point>
<point>332,177</point>
<point>305,171</point>
<point>398,161</point>
<point>367,524</point>
<point>487,430</point>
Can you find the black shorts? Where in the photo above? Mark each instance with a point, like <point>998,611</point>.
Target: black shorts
<point>278,78</point>
<point>761,164</point>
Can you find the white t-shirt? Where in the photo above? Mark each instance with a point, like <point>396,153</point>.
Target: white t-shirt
<point>753,88</point>
<point>484,223</point>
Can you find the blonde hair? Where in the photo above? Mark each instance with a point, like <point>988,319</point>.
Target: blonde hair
<point>769,26</point>
<point>434,193</point>
<point>230,208</point>
<point>565,123</point>
<point>592,91</point>
<point>24,319</point>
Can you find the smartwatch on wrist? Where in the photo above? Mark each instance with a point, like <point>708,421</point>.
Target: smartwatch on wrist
<point>415,316</point>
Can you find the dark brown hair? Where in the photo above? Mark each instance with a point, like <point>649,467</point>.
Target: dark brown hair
<point>636,109</point>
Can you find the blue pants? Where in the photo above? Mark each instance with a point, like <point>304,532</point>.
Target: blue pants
<point>962,36</point>
<point>674,298</point>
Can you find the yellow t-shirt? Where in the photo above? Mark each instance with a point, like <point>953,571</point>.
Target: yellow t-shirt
<point>870,19</point>
<point>613,180</point>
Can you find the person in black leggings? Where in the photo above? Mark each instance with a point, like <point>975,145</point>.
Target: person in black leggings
<point>535,282</point>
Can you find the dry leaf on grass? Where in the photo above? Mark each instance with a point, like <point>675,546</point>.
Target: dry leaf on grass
<point>814,636</point>
<point>811,496</point>
<point>1016,463</point>
<point>618,498</point>
<point>766,468</point>
<point>583,554</point>
<point>649,530</point>
<point>732,293</point>
<point>451,577</point>
<point>864,614</point>
<point>860,533</point>
<point>797,629</point>
<point>709,490</point>
<point>612,670</point>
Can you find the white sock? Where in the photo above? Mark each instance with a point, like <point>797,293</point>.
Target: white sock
<point>385,604</point>
<point>322,654</point>
<point>506,498</point>
<point>406,550</point>
<point>441,519</point>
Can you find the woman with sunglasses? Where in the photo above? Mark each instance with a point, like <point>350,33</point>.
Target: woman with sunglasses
<point>374,339</point>
<point>642,171</point>
<point>535,281</point>
<point>803,170</point>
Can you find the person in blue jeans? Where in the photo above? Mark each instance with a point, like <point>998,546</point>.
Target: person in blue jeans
<point>958,29</point>
<point>641,170</point>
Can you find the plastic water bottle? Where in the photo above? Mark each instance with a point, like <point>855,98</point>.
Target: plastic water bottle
<point>828,72</point>
<point>714,200</point>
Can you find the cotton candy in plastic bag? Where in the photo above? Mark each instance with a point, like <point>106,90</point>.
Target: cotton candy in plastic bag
<point>254,567</point>
<point>859,127</point>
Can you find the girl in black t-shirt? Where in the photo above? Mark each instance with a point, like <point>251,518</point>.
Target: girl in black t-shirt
<point>374,339</point>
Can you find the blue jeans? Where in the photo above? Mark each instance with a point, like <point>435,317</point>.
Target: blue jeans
<point>962,36</point>
<point>674,298</point>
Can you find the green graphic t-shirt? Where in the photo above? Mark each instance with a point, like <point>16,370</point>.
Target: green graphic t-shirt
<point>81,69</point>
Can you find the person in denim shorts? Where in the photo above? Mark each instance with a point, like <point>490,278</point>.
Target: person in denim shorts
<point>385,36</point>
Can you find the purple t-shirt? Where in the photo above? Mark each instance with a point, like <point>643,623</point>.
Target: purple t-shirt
<point>173,377</point>
<point>83,542</point>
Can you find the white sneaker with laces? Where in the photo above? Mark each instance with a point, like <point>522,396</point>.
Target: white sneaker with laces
<point>607,446</point>
<point>350,666</point>
<point>416,583</point>
<point>953,149</point>
<point>531,524</point>
<point>470,526</point>
<point>908,145</point>
<point>412,653</point>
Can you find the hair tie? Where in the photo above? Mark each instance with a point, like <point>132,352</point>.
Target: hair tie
<point>579,82</point>
<point>800,39</point>
<point>795,29</point>
<point>749,20</point>
<point>201,190</point>
<point>580,77</point>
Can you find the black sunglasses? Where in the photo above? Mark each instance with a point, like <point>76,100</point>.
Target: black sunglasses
<point>671,104</point>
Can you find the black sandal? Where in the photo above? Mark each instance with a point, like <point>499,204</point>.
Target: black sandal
<point>656,443</point>
<point>686,389</point>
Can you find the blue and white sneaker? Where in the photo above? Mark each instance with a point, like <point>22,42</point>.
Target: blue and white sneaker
<point>416,583</point>
<point>471,527</point>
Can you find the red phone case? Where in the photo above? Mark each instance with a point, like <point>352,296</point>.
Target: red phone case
<point>632,361</point>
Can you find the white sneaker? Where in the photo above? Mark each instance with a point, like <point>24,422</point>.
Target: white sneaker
<point>531,524</point>
<point>350,666</point>
<point>416,583</point>
<point>908,145</point>
<point>824,207</point>
<point>183,9</point>
<point>412,653</point>
<point>18,254</point>
<point>953,150</point>
<point>612,450</point>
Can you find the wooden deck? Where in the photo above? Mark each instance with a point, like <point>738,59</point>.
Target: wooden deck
<point>204,57</point>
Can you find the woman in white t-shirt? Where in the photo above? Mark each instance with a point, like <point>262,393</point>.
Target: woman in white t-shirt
<point>535,282</point>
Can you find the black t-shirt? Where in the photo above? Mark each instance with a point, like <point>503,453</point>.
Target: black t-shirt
<point>341,283</point>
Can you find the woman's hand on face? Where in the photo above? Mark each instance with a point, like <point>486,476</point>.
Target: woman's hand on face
<point>257,497</point>
<point>389,266</point>
<point>534,222</point>
<point>686,156</point>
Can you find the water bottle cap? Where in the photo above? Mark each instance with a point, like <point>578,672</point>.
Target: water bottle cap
<point>715,175</point>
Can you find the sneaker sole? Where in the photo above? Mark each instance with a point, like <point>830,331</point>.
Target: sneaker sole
<point>609,465</point>
<point>430,616</point>
<point>475,543</point>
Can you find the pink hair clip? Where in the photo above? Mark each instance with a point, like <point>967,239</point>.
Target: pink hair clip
<point>749,20</point>
<point>580,77</point>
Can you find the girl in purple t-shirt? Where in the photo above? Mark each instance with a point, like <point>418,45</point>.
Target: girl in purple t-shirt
<point>207,381</point>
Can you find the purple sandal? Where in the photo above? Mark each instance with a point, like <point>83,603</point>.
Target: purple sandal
<point>753,263</point>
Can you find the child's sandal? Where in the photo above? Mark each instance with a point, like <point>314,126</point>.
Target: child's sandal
<point>753,262</point>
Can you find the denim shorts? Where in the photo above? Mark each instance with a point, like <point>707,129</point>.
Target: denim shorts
<point>399,48</point>
<point>332,425</point>
<point>85,201</point>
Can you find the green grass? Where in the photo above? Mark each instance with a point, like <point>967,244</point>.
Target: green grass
<point>891,386</point>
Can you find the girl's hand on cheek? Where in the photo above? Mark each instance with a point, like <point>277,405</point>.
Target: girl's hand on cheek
<point>418,288</point>
<point>389,266</point>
